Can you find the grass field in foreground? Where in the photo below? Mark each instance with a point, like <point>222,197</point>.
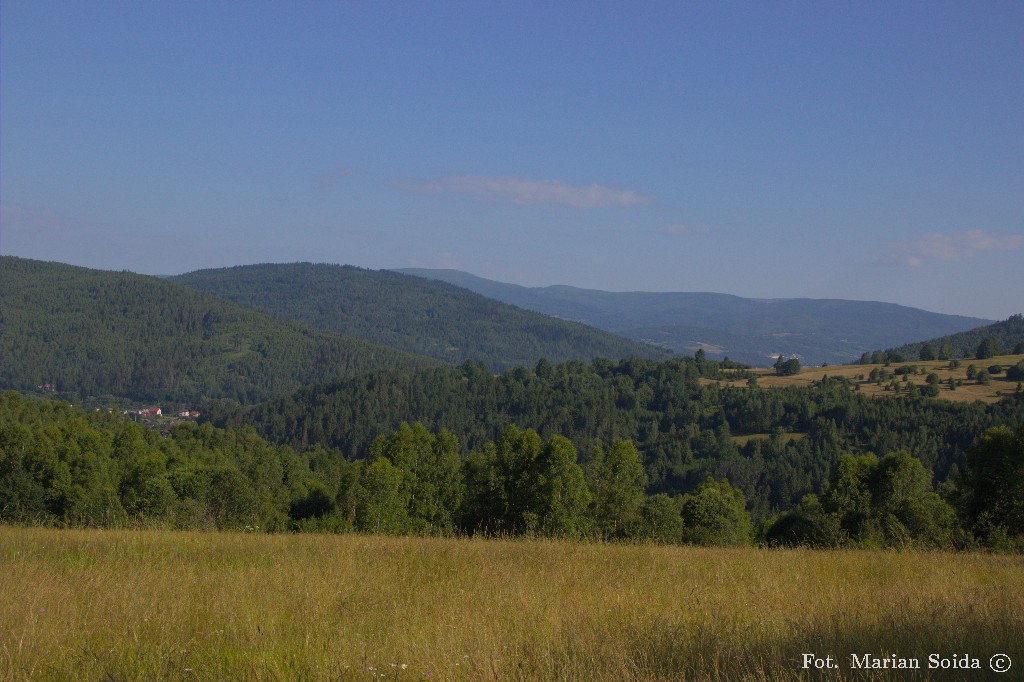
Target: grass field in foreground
<point>155,605</point>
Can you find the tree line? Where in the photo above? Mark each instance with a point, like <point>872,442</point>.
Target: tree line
<point>60,465</point>
<point>776,445</point>
<point>981,343</point>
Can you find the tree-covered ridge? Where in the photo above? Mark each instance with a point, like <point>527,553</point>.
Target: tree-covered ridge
<point>421,316</point>
<point>60,465</point>
<point>776,445</point>
<point>63,466</point>
<point>93,332</point>
<point>993,339</point>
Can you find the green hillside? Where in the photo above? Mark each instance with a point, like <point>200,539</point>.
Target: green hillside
<point>62,465</point>
<point>92,332</point>
<point>421,316</point>
<point>686,426</point>
<point>749,330</point>
<point>1009,334</point>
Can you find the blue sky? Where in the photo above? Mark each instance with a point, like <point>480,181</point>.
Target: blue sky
<point>829,150</point>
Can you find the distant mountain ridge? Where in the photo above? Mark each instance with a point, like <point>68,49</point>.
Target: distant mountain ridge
<point>422,316</point>
<point>748,330</point>
<point>92,332</point>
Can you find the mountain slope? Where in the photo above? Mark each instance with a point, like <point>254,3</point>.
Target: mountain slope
<point>93,332</point>
<point>1010,333</point>
<point>417,315</point>
<point>749,330</point>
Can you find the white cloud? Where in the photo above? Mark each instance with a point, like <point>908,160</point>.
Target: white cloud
<point>531,191</point>
<point>678,230</point>
<point>951,247</point>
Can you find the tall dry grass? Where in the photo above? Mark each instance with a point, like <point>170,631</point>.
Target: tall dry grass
<point>152,605</point>
<point>968,392</point>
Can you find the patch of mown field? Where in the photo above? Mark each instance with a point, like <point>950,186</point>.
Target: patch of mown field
<point>788,437</point>
<point>155,605</point>
<point>969,389</point>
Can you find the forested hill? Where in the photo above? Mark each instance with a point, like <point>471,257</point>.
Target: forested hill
<point>61,465</point>
<point>422,316</point>
<point>1008,335</point>
<point>774,444</point>
<point>747,330</point>
<point>93,332</point>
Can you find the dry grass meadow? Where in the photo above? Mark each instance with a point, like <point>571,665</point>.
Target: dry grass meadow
<point>969,391</point>
<point>158,605</point>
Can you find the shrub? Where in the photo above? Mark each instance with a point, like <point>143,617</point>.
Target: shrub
<point>715,514</point>
<point>786,368</point>
<point>1016,373</point>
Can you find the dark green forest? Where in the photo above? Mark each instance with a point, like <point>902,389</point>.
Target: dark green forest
<point>998,338</point>
<point>420,316</point>
<point>94,333</point>
<point>312,430</point>
<point>62,466</point>
<point>776,445</point>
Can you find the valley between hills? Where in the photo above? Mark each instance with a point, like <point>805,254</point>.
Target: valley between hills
<point>421,435</point>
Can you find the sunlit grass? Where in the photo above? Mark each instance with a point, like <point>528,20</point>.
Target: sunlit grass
<point>969,391</point>
<point>83,604</point>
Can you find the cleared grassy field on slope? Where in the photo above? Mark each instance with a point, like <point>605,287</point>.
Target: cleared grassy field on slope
<point>968,391</point>
<point>159,605</point>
